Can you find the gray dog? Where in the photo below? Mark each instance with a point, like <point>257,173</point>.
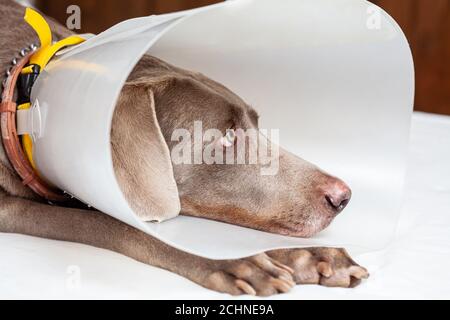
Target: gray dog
<point>158,98</point>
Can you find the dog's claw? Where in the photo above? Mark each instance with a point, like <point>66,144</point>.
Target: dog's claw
<point>359,272</point>
<point>245,287</point>
<point>282,266</point>
<point>325,269</point>
<point>282,285</point>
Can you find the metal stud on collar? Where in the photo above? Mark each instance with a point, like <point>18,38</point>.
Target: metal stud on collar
<point>15,60</point>
<point>24,52</point>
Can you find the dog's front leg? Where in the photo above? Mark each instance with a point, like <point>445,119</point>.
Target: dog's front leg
<point>259,275</point>
<point>330,267</point>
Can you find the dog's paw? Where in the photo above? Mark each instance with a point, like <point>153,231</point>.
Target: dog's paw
<point>328,267</point>
<point>258,276</point>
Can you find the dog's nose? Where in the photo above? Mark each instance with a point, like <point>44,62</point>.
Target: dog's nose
<point>338,195</point>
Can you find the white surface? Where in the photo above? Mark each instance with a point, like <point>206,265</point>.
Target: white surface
<point>414,265</point>
<point>284,59</point>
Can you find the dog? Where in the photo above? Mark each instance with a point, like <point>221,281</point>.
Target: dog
<point>158,98</point>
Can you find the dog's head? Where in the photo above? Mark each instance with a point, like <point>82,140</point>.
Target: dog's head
<point>157,119</point>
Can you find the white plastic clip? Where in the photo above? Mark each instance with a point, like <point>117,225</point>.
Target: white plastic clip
<point>29,121</point>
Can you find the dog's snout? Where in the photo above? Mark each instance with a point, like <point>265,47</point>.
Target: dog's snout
<point>338,195</point>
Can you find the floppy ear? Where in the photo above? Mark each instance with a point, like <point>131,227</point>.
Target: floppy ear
<point>141,156</point>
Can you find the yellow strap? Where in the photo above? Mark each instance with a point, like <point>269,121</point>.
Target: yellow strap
<point>38,23</point>
<point>47,50</point>
<point>41,58</point>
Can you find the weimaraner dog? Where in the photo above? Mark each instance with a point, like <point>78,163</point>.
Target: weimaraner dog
<point>158,98</point>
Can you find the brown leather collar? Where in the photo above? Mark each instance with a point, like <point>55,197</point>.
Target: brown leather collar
<point>11,141</point>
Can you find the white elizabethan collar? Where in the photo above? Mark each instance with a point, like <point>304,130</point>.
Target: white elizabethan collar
<point>335,76</point>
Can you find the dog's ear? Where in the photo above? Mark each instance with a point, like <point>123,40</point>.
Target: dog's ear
<point>141,156</point>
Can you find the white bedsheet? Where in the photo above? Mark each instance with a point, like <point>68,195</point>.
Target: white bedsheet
<point>416,265</point>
